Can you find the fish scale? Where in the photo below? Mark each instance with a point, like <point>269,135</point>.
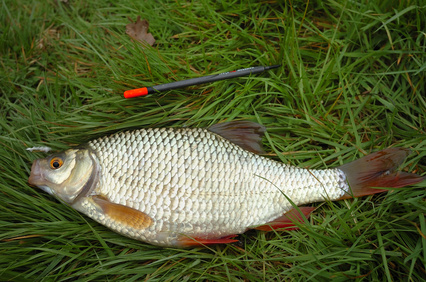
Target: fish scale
<point>215,187</point>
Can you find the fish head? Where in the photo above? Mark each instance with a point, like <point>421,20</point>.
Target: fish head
<point>67,175</point>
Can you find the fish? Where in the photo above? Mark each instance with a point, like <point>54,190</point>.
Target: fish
<point>183,187</point>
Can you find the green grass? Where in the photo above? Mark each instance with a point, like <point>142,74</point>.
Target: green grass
<point>352,81</point>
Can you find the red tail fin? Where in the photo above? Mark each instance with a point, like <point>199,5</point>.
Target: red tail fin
<point>378,170</point>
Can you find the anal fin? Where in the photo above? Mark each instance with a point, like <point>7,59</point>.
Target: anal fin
<point>123,214</point>
<point>187,241</point>
<point>288,220</point>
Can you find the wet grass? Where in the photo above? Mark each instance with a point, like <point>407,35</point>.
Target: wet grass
<point>351,82</point>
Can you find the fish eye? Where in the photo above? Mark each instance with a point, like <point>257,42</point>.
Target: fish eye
<point>56,163</point>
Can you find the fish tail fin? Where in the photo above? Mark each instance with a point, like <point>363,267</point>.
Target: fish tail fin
<point>378,170</point>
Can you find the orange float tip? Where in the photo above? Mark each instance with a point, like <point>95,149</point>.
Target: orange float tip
<point>135,92</point>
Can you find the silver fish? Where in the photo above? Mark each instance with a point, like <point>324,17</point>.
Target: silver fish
<point>190,186</point>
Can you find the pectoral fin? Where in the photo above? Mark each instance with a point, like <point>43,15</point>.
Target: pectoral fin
<point>122,214</point>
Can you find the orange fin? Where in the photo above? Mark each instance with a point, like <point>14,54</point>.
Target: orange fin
<point>288,220</point>
<point>194,242</point>
<point>246,134</point>
<point>378,170</point>
<point>122,214</point>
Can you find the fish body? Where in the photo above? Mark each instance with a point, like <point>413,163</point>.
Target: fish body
<point>174,187</point>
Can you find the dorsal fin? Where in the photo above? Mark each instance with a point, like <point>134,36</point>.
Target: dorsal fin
<point>246,134</point>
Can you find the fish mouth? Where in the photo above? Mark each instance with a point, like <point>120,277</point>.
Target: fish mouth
<point>37,179</point>
<point>36,176</point>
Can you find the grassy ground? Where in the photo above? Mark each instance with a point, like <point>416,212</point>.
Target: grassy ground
<point>352,81</point>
